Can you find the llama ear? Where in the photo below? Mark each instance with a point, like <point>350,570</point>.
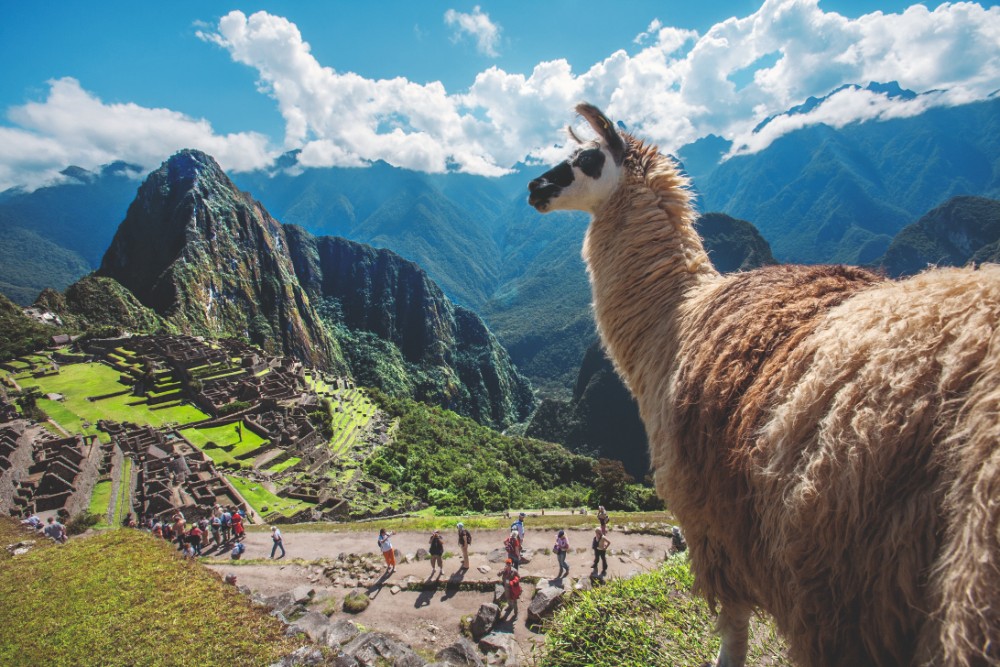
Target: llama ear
<point>605,128</point>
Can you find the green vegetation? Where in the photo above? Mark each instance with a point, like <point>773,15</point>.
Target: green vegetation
<point>259,498</point>
<point>19,334</point>
<point>284,465</point>
<point>355,602</point>
<point>457,465</point>
<point>78,382</point>
<point>652,620</point>
<point>103,601</point>
<point>228,449</point>
<point>100,501</point>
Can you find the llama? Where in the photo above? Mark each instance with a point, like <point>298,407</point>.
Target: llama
<point>827,438</point>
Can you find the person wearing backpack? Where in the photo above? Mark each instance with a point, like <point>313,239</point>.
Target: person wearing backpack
<point>278,542</point>
<point>464,540</point>
<point>437,552</point>
<point>237,551</point>
<point>561,548</point>
<point>600,546</point>
<point>513,546</point>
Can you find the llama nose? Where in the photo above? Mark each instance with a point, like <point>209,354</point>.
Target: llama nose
<point>535,184</point>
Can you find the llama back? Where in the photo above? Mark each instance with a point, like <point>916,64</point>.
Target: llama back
<point>833,431</point>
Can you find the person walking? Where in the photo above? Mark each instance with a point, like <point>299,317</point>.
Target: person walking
<point>386,547</point>
<point>561,548</point>
<point>511,580</point>
<point>278,542</point>
<point>464,541</point>
<point>600,546</point>
<point>513,546</point>
<point>602,516</point>
<point>437,552</point>
<point>519,527</point>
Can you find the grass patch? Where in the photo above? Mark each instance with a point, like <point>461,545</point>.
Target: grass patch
<point>652,619</point>
<point>259,497</point>
<point>426,520</point>
<point>76,382</point>
<point>224,437</point>
<point>99,502</point>
<point>102,601</point>
<point>284,465</point>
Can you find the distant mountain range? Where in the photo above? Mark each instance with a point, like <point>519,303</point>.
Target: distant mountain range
<point>819,194</point>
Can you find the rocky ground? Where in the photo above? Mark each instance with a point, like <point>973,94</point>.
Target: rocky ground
<point>419,610</point>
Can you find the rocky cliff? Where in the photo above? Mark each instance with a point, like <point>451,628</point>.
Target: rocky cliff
<point>402,334</point>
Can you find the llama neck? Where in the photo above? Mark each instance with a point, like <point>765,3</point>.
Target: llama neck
<point>644,259</point>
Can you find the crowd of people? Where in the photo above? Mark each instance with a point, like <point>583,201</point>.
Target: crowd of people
<point>221,531</point>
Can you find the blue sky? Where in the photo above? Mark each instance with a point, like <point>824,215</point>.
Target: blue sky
<point>477,87</point>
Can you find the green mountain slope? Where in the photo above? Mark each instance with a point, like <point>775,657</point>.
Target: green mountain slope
<point>961,230</point>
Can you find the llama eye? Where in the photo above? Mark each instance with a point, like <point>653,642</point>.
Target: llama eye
<point>590,163</point>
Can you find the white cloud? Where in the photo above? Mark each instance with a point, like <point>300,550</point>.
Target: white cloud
<point>674,87</point>
<point>477,25</point>
<point>73,126</point>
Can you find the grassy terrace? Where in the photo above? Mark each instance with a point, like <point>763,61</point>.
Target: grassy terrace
<point>102,601</point>
<point>228,447</point>
<point>77,382</point>
<point>259,498</point>
<point>284,465</point>
<point>100,501</point>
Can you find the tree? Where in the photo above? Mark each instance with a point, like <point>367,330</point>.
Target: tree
<point>612,486</point>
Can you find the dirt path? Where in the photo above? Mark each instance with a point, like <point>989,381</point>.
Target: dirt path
<point>428,618</point>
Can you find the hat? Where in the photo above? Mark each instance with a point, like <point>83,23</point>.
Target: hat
<point>460,525</point>
<point>509,561</point>
<point>675,530</point>
<point>522,515</point>
<point>561,533</point>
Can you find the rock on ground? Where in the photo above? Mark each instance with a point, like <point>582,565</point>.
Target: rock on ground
<point>482,622</point>
<point>462,653</point>
<point>545,602</point>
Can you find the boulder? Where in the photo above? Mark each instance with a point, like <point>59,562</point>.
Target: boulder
<point>497,556</point>
<point>341,632</point>
<point>482,622</point>
<point>462,653</point>
<point>314,624</point>
<point>302,594</point>
<point>501,650</point>
<point>526,556</point>
<point>369,647</point>
<point>545,602</point>
<point>422,554</point>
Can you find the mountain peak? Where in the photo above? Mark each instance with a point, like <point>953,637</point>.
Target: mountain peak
<point>190,164</point>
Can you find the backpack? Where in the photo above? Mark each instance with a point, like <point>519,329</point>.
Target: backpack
<point>508,544</point>
<point>515,587</point>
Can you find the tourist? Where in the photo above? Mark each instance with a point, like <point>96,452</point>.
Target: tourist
<point>189,551</point>
<point>561,548</point>
<point>237,551</point>
<point>31,521</point>
<point>511,580</point>
<point>464,541</point>
<point>157,529</point>
<point>179,532</point>
<point>194,539</point>
<point>216,525</point>
<point>600,546</point>
<point>513,546</point>
<point>602,516</point>
<point>437,552</point>
<point>519,527</point>
<point>203,526</point>
<point>278,542</point>
<point>387,551</point>
<point>227,525</point>
<point>238,529</point>
<point>55,531</point>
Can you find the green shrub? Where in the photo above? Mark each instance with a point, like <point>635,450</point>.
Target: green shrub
<point>355,602</point>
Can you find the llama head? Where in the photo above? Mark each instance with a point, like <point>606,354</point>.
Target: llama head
<point>588,177</point>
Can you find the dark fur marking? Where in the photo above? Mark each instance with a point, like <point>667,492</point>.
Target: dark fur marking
<point>590,162</point>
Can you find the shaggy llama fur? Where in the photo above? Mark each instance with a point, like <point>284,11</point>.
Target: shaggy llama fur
<point>827,438</point>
